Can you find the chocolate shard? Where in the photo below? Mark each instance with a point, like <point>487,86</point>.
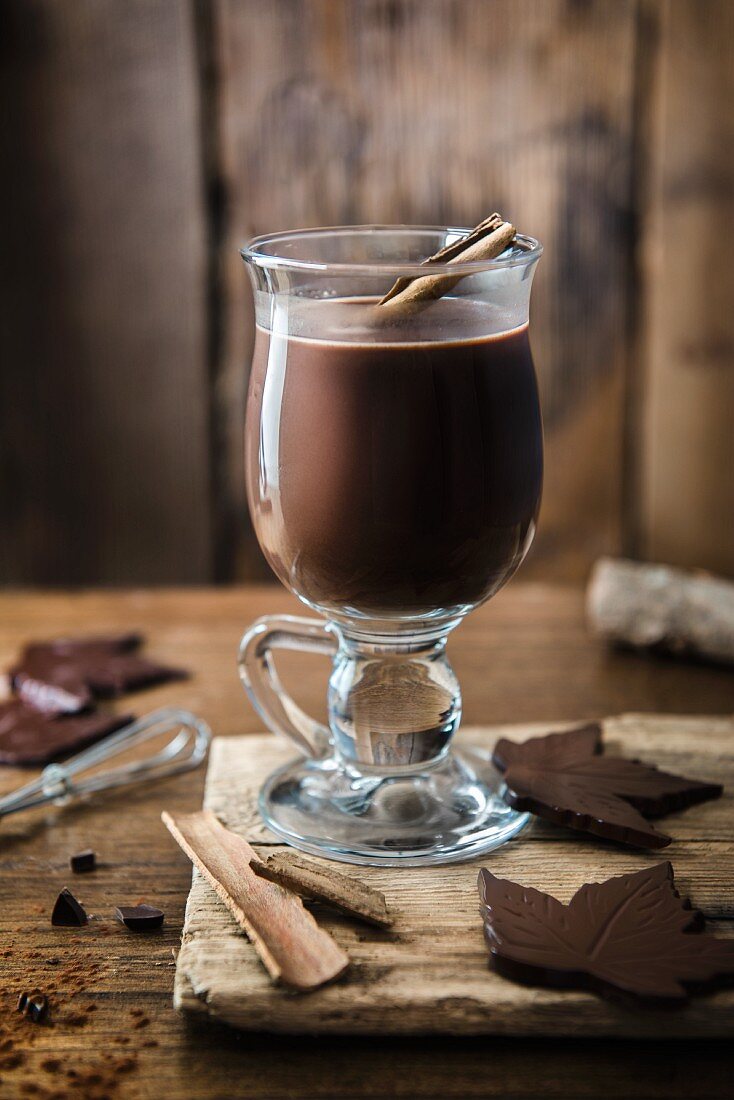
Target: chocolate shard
<point>68,912</point>
<point>631,936</point>
<point>82,862</point>
<point>36,1008</point>
<point>29,737</point>
<point>563,778</point>
<point>140,918</point>
<point>34,1005</point>
<point>65,676</point>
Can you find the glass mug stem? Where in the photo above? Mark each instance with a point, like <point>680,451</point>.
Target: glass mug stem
<point>394,702</point>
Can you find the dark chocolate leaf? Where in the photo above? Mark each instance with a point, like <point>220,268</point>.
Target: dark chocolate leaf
<point>66,675</point>
<point>552,749</point>
<point>633,934</point>
<point>561,778</point>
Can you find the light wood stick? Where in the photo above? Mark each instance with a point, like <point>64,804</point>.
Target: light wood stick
<point>324,884</point>
<point>656,606</point>
<point>292,947</point>
<point>421,291</point>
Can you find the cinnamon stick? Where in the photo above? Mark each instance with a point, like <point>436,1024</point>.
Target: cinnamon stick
<point>448,252</point>
<point>485,242</point>
<point>292,947</point>
<point>324,884</point>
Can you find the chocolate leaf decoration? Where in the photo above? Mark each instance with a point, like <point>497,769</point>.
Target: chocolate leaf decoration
<point>632,934</point>
<point>63,677</point>
<point>562,777</point>
<point>552,749</point>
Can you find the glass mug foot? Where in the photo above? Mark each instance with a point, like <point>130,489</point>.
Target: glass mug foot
<point>382,786</point>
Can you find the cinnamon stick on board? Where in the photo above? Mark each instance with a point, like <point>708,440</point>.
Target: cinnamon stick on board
<point>311,880</point>
<point>421,291</point>
<point>292,947</point>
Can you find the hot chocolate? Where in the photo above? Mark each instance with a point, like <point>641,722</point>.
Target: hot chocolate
<point>394,470</point>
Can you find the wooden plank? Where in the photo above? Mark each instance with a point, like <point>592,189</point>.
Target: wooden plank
<point>523,657</point>
<point>443,110</point>
<point>428,974</point>
<point>103,389</point>
<point>687,461</point>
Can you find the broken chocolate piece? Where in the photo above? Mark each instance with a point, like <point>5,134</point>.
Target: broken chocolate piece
<point>36,1008</point>
<point>140,918</point>
<point>68,912</point>
<point>632,935</point>
<point>82,862</point>
<point>33,1005</point>
<point>29,737</point>
<point>562,777</point>
<point>64,676</point>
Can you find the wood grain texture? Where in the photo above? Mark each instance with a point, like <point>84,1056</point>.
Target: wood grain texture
<point>524,657</point>
<point>430,111</point>
<point>687,459</point>
<point>429,973</point>
<point>104,462</point>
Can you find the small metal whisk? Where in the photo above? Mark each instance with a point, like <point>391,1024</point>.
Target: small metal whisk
<point>56,783</point>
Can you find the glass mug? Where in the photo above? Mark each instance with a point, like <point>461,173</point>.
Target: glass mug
<point>394,473</point>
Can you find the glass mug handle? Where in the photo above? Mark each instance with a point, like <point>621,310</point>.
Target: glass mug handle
<point>262,683</point>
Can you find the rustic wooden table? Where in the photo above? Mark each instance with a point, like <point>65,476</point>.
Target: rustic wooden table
<point>524,657</point>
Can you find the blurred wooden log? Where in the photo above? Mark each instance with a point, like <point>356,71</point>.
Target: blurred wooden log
<point>655,606</point>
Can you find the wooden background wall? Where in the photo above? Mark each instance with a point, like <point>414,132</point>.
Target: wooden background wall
<point>141,141</point>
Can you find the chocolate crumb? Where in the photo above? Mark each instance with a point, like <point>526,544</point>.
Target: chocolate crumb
<point>37,1007</point>
<point>84,861</point>
<point>68,912</point>
<point>140,918</point>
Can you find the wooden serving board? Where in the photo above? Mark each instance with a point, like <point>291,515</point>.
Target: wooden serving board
<point>429,973</point>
